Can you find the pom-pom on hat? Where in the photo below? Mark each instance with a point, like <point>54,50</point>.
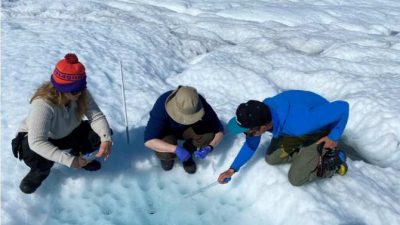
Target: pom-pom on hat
<point>69,74</point>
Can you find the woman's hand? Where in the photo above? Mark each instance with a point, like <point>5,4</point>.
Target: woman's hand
<point>104,150</point>
<point>79,162</point>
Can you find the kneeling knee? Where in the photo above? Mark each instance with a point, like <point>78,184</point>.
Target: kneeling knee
<point>268,160</point>
<point>271,161</point>
<point>295,181</point>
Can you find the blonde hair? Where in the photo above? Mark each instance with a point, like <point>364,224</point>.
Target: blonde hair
<point>50,94</point>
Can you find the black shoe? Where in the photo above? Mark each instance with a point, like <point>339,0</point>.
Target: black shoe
<point>167,164</point>
<point>189,166</point>
<point>32,181</point>
<point>92,166</point>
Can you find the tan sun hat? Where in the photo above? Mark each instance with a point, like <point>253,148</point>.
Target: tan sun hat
<point>184,105</point>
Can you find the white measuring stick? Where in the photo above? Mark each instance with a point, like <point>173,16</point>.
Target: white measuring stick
<point>123,98</point>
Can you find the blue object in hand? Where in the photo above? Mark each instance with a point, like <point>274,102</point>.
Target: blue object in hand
<point>203,151</point>
<point>226,180</point>
<point>90,156</point>
<point>182,153</point>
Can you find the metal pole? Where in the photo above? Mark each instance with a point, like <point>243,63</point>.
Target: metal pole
<point>205,188</point>
<point>201,190</point>
<point>123,98</point>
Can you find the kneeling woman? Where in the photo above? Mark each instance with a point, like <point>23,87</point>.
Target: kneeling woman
<point>54,130</point>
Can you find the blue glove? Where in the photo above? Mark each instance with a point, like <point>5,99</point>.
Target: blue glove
<point>203,151</point>
<point>182,153</point>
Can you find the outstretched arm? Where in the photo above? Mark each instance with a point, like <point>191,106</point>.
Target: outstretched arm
<point>244,155</point>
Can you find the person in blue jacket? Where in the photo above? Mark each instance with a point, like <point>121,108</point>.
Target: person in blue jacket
<point>305,131</point>
<point>182,114</point>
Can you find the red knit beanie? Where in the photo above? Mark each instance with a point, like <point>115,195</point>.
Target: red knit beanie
<point>69,74</point>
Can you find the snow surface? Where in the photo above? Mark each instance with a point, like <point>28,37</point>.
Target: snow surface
<point>231,51</point>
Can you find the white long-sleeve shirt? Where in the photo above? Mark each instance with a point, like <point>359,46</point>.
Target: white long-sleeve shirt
<point>48,121</point>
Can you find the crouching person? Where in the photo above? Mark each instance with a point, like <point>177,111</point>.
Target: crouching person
<point>182,114</point>
<point>55,124</point>
<point>305,129</point>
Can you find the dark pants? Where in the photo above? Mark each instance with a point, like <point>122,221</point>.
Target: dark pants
<point>82,140</point>
<point>192,142</point>
<point>301,152</point>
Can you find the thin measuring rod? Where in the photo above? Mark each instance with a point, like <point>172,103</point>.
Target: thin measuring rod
<point>123,98</point>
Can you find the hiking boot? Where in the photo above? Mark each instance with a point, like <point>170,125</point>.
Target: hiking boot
<point>167,164</point>
<point>189,166</point>
<point>32,181</point>
<point>92,166</point>
<point>334,161</point>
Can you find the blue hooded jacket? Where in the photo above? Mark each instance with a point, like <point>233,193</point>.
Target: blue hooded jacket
<point>297,113</point>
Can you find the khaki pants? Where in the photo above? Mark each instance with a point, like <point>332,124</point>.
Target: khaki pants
<point>192,142</point>
<point>301,152</point>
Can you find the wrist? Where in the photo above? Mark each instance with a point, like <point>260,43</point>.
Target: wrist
<point>182,153</point>
<point>232,170</point>
<point>177,149</point>
<point>211,147</point>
